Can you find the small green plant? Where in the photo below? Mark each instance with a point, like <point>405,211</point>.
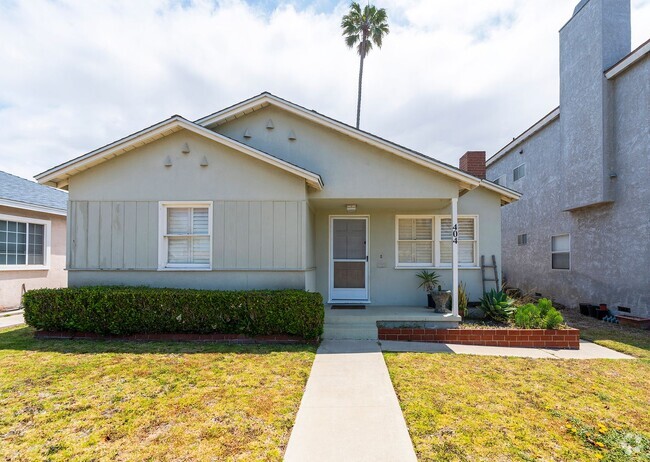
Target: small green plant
<point>553,319</point>
<point>497,305</point>
<point>429,280</point>
<point>462,300</point>
<point>528,316</point>
<point>540,316</point>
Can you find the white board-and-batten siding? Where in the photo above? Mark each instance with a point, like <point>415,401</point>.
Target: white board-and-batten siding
<point>246,235</point>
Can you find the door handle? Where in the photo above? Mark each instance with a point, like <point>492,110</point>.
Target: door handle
<point>366,258</point>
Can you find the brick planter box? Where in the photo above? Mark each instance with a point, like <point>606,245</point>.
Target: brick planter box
<point>217,338</point>
<point>526,338</point>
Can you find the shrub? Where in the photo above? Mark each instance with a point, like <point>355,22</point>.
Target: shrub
<point>528,316</point>
<point>130,310</point>
<point>497,305</point>
<point>553,319</point>
<point>540,316</point>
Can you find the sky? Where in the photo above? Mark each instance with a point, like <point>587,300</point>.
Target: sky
<point>452,76</point>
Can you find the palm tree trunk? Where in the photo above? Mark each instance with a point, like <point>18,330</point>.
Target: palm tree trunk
<point>359,93</point>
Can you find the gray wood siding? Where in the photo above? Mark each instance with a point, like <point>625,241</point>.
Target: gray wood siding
<point>123,235</point>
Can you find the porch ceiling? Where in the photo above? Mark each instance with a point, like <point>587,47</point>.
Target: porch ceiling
<point>401,205</point>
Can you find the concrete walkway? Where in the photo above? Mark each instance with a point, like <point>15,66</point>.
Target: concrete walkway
<point>349,411</point>
<point>588,350</point>
<point>13,319</point>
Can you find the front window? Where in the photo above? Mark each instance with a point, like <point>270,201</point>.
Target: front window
<point>425,241</point>
<point>186,239</point>
<point>23,243</point>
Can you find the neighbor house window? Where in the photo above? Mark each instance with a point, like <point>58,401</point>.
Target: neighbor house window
<point>186,239</point>
<point>519,172</point>
<point>522,239</point>
<point>561,252</point>
<point>24,243</point>
<point>425,241</point>
<point>500,181</point>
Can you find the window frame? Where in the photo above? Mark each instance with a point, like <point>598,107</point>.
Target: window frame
<point>522,239</point>
<point>163,236</point>
<point>47,227</point>
<point>553,252</point>
<point>523,164</point>
<point>437,228</point>
<point>398,240</point>
<point>498,179</point>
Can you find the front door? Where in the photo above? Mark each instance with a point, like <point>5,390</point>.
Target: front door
<point>348,259</point>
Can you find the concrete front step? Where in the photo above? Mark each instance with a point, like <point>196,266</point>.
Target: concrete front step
<point>357,331</point>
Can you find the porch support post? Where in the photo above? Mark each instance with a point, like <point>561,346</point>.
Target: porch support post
<point>454,256</point>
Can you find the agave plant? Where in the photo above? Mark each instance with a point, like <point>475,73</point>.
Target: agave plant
<point>428,280</point>
<point>497,305</point>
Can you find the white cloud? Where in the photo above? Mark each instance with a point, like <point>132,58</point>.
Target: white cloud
<point>452,76</point>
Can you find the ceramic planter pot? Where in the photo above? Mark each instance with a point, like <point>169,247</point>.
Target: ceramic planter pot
<point>440,298</point>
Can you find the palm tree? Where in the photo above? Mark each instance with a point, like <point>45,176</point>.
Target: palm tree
<point>364,28</point>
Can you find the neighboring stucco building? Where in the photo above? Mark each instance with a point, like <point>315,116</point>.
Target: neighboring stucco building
<point>32,238</point>
<point>268,194</point>
<point>581,232</point>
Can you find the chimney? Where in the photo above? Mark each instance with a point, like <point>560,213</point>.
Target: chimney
<point>473,162</point>
<point>594,39</point>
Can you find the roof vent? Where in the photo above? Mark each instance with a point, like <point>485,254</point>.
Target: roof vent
<point>269,124</point>
<point>247,134</point>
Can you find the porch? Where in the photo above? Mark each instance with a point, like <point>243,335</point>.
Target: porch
<point>362,323</point>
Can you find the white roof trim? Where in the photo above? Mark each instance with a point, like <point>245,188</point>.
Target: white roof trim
<point>507,195</point>
<point>629,60</point>
<point>267,98</point>
<point>33,207</point>
<point>548,118</point>
<point>61,173</point>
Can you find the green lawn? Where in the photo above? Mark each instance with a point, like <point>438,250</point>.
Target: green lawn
<point>97,400</point>
<point>460,407</point>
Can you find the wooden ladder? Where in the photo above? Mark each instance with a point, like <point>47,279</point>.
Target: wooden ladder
<point>496,275</point>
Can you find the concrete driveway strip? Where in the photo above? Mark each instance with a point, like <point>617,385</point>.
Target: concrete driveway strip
<point>349,411</point>
<point>13,320</point>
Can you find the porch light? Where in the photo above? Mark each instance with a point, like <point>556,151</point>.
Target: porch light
<point>351,208</point>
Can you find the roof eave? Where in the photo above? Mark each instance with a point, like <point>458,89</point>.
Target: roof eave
<point>60,174</point>
<point>32,207</point>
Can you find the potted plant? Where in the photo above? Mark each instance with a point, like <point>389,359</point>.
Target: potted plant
<point>428,282</point>
<point>440,299</point>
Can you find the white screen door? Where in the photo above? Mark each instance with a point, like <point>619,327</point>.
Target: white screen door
<point>349,259</point>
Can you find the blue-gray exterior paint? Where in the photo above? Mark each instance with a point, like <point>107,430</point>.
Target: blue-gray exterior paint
<point>603,129</point>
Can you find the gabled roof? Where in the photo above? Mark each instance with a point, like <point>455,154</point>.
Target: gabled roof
<point>265,99</point>
<point>537,126</point>
<point>58,176</point>
<point>24,194</point>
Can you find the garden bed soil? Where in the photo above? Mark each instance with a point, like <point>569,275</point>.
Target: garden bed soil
<point>504,337</point>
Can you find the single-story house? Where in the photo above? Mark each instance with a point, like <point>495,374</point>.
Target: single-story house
<point>269,194</point>
<point>32,238</point>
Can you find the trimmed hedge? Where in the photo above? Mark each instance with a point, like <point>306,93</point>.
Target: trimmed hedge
<point>140,310</point>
